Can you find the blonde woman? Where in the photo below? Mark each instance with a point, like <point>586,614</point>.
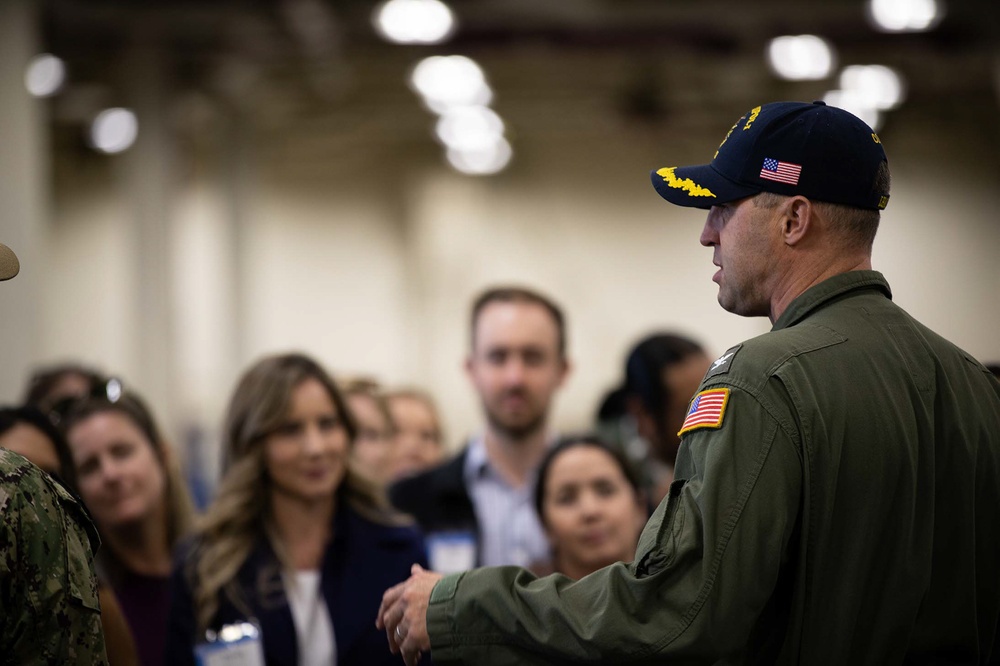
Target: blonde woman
<point>295,541</point>
<point>130,482</point>
<point>371,455</point>
<point>418,440</point>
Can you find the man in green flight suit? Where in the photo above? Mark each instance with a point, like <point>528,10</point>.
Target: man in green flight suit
<point>837,492</point>
<point>49,612</point>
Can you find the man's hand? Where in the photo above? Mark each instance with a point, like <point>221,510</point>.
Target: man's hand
<point>403,614</point>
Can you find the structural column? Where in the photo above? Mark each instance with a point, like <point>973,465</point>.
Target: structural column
<point>24,196</point>
<point>147,182</point>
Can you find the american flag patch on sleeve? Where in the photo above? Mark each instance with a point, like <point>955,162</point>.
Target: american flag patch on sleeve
<point>706,410</point>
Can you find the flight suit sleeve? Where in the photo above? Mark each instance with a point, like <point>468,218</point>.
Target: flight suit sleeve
<point>707,563</point>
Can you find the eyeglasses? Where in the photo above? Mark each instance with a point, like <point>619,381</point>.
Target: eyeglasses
<point>110,390</point>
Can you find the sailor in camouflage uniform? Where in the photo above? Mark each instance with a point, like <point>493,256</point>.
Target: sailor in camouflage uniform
<point>837,491</point>
<point>49,612</point>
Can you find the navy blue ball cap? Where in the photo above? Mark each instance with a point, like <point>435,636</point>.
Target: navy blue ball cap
<point>819,151</point>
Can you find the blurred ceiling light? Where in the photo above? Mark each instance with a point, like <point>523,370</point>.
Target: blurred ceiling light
<point>905,15</point>
<point>469,128</point>
<point>445,82</point>
<point>45,75</point>
<point>800,57</point>
<point>414,21</point>
<point>850,101</point>
<point>114,130</point>
<point>482,161</point>
<point>879,86</point>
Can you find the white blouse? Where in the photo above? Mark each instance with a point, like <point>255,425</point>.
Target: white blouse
<point>313,626</point>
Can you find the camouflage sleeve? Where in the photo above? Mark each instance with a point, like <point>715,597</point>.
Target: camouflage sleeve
<point>48,590</point>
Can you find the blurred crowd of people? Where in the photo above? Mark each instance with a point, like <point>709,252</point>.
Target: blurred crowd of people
<point>333,488</point>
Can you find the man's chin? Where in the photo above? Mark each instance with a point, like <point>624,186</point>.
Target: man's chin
<point>517,429</point>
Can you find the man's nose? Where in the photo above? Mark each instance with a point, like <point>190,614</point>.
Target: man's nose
<point>709,233</point>
<point>514,370</point>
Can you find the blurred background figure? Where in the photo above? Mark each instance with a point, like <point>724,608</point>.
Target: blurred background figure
<point>295,538</point>
<point>131,483</point>
<point>616,426</point>
<point>476,509</point>
<point>50,384</point>
<point>662,373</point>
<point>372,454</point>
<point>53,389</point>
<point>418,444</point>
<point>591,503</point>
<point>27,431</point>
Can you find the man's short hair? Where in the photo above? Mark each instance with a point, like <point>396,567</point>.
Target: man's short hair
<point>857,225</point>
<point>519,295</point>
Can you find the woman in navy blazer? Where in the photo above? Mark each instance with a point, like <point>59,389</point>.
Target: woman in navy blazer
<point>288,506</point>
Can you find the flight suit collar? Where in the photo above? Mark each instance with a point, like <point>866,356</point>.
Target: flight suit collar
<point>819,295</point>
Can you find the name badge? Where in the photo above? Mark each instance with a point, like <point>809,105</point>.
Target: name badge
<point>233,645</point>
<point>451,552</point>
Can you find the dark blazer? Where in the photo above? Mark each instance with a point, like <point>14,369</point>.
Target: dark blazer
<point>363,560</point>
<point>438,500</point>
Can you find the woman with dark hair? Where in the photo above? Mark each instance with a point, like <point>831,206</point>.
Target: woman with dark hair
<point>131,483</point>
<point>295,540</point>
<point>27,431</point>
<point>54,388</point>
<point>662,374</point>
<point>590,502</point>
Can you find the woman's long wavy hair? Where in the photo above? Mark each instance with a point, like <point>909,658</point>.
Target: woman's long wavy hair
<point>240,515</point>
<point>179,509</point>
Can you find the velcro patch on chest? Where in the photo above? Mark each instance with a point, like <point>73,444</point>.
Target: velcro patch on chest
<point>706,411</point>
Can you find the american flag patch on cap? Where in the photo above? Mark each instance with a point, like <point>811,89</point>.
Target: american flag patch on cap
<point>706,410</point>
<point>783,172</point>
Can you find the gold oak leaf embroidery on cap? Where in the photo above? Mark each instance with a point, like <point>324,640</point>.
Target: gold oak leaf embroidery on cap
<point>692,188</point>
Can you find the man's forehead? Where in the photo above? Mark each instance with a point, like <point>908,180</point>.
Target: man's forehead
<point>516,323</point>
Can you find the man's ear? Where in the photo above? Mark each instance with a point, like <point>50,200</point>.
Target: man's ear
<point>567,370</point>
<point>797,219</point>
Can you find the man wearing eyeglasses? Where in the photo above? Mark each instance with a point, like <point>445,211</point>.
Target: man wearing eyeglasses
<point>49,612</point>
